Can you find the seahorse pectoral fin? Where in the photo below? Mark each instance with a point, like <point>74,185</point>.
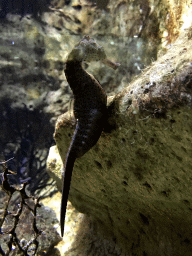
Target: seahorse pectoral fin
<point>65,191</point>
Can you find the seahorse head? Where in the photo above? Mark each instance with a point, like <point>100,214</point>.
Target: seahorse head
<point>87,50</point>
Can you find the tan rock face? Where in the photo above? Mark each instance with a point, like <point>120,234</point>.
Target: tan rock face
<point>136,181</point>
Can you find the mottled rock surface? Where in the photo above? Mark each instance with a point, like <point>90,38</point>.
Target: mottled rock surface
<point>26,227</point>
<point>136,181</point>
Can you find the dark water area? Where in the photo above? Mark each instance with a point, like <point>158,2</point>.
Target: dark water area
<point>23,7</point>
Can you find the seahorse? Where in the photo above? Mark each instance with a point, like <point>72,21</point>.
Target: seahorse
<point>90,108</point>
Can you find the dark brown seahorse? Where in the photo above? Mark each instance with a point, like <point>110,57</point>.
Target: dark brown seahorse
<point>90,108</point>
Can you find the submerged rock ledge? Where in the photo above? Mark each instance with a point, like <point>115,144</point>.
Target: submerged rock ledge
<point>136,182</point>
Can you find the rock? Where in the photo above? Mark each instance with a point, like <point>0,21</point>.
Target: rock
<point>136,181</point>
<point>24,229</point>
<point>54,165</point>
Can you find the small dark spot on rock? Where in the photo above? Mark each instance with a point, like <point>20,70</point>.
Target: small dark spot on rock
<point>60,22</point>
<point>176,179</point>
<point>46,64</point>
<point>165,193</point>
<point>187,81</point>
<point>103,190</point>
<point>144,219</point>
<point>146,184</point>
<point>187,241</point>
<point>98,164</point>
<point>123,140</point>
<point>131,92</point>
<point>129,102</point>
<point>77,7</point>
<point>134,132</point>
<point>138,173</point>
<point>142,154</point>
<point>186,201</point>
<point>124,183</point>
<point>39,50</point>
<point>146,91</point>
<point>151,141</point>
<point>160,113</point>
<point>177,138</point>
<point>59,65</point>
<point>67,2</point>
<point>172,121</point>
<point>59,101</point>
<point>141,231</point>
<point>184,149</point>
<point>179,158</point>
<point>6,56</point>
<point>85,65</point>
<point>79,30</point>
<point>109,164</point>
<point>77,21</point>
<point>69,134</point>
